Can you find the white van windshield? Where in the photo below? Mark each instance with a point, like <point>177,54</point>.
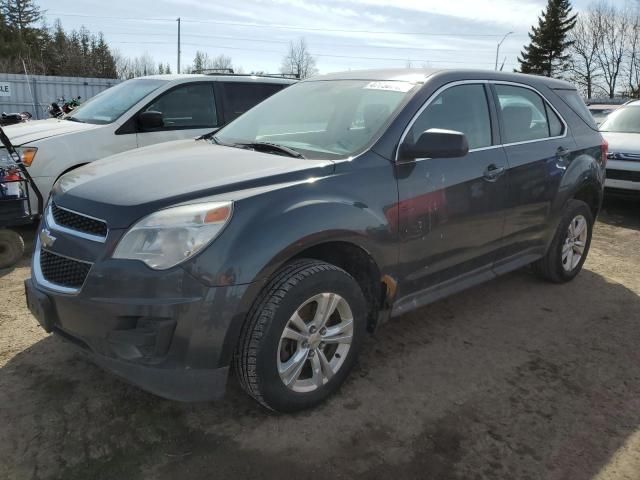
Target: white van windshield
<point>108,106</point>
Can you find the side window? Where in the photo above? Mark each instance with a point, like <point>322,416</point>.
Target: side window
<point>240,97</point>
<point>462,108</point>
<point>188,106</point>
<point>556,128</point>
<point>525,115</point>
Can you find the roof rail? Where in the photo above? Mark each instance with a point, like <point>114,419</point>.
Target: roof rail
<point>229,71</point>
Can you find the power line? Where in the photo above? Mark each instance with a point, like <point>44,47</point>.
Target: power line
<point>286,42</point>
<point>278,26</point>
<point>355,57</point>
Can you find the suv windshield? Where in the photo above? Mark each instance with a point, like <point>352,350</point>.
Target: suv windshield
<point>108,106</point>
<point>320,119</point>
<point>623,120</point>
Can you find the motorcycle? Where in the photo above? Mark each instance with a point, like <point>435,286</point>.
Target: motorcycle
<point>57,111</point>
<point>13,118</point>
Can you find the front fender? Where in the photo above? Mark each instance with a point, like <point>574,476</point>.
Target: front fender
<point>270,228</point>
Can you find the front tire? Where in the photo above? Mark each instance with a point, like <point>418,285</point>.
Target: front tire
<point>570,246</point>
<point>11,248</point>
<point>302,336</point>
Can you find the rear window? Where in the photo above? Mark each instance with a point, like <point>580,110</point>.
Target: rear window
<point>575,103</point>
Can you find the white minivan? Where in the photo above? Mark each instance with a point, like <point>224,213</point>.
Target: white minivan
<point>135,113</point>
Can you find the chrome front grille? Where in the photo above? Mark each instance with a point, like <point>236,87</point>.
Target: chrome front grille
<point>63,271</point>
<point>76,223</point>
<point>626,175</point>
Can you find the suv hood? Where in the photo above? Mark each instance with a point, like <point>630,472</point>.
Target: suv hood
<point>623,142</point>
<point>123,188</point>
<point>28,132</point>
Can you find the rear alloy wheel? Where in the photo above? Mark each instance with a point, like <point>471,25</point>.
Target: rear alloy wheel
<point>302,336</point>
<point>570,245</point>
<point>574,243</point>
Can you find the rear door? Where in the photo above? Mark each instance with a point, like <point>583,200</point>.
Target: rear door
<point>451,214</point>
<point>188,110</point>
<point>538,147</point>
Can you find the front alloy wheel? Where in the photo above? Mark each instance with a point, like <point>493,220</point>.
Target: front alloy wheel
<point>302,336</point>
<point>315,342</point>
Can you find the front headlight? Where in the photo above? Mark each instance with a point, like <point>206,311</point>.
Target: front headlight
<point>27,154</point>
<point>165,238</point>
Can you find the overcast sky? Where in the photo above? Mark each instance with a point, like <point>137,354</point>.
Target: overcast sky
<point>342,34</point>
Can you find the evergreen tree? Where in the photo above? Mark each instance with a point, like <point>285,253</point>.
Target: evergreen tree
<point>20,14</point>
<point>546,53</point>
<point>167,69</point>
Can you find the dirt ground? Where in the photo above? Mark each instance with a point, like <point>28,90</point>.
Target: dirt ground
<point>515,379</point>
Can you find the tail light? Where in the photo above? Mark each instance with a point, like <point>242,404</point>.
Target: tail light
<point>604,150</point>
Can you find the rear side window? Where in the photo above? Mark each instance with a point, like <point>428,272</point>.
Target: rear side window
<point>462,108</point>
<point>556,128</point>
<point>573,100</point>
<point>240,97</point>
<point>187,106</point>
<point>525,115</point>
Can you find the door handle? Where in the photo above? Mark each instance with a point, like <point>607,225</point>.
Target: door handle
<point>492,172</point>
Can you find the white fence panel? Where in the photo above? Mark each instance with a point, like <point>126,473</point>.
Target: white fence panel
<point>19,93</point>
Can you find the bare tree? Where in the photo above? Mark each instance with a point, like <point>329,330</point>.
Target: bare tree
<point>632,61</point>
<point>127,67</point>
<point>298,61</point>
<point>584,66</point>
<point>203,62</point>
<point>221,62</point>
<point>615,27</point>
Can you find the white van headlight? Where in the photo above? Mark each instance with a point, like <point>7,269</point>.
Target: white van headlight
<point>167,237</point>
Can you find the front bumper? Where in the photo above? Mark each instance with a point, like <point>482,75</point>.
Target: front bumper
<point>175,346</point>
<point>623,176</point>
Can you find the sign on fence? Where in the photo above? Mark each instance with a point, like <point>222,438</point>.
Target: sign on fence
<point>5,89</point>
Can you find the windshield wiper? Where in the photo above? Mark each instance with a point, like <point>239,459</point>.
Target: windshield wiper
<point>72,119</point>
<point>268,146</point>
<point>209,136</point>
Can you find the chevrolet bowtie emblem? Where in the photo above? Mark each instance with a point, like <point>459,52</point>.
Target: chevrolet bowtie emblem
<point>46,239</point>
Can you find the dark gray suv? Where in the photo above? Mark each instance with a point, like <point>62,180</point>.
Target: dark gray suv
<point>329,208</point>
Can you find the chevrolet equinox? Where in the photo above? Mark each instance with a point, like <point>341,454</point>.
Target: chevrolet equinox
<point>276,243</point>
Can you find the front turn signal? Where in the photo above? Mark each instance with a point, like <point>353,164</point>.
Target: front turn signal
<point>27,154</point>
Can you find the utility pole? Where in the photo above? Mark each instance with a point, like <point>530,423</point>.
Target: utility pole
<point>498,49</point>
<point>179,45</point>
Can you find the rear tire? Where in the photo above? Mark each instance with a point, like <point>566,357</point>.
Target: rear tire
<point>301,337</point>
<point>11,248</point>
<point>570,245</point>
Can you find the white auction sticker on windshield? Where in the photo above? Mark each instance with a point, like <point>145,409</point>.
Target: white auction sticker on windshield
<point>390,85</point>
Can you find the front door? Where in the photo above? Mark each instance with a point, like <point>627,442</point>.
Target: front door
<point>188,111</point>
<point>451,215</point>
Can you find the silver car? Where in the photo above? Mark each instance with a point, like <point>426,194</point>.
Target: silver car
<point>622,130</point>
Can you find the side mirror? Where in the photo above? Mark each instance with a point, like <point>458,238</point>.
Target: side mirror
<point>150,120</point>
<point>435,143</point>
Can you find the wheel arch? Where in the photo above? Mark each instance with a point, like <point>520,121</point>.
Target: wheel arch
<point>351,256</point>
<point>589,193</point>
